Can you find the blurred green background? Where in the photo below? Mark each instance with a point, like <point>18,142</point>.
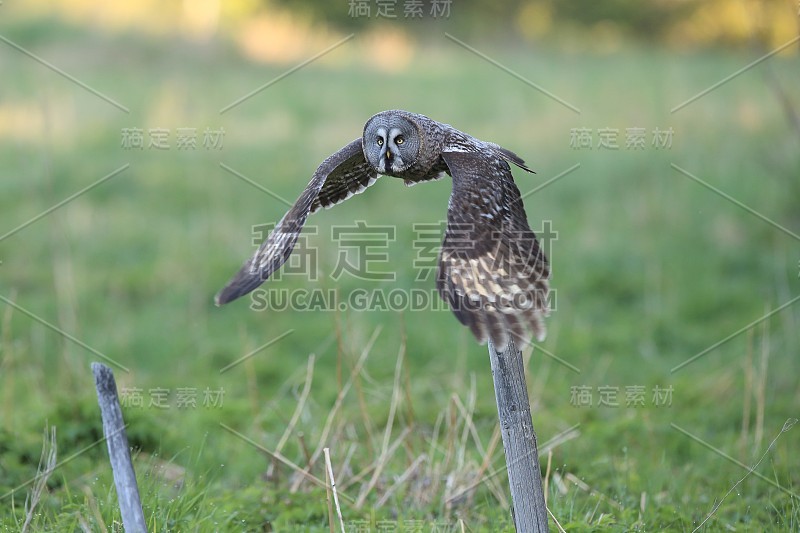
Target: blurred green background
<point>662,253</point>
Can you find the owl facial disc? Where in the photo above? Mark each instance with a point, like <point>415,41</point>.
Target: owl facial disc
<point>391,143</point>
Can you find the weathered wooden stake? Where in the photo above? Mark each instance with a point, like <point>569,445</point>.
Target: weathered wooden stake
<point>519,439</point>
<point>130,505</point>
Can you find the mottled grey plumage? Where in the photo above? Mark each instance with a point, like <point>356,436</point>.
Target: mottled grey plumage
<point>491,272</point>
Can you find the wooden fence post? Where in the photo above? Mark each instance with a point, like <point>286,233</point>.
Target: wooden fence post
<point>130,505</point>
<point>519,439</point>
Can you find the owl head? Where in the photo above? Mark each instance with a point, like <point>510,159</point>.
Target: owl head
<point>391,142</point>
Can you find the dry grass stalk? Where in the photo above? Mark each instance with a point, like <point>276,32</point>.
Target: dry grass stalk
<point>379,466</point>
<point>357,478</point>
<point>586,488</point>
<point>345,468</point>
<point>396,391</point>
<point>433,473</point>
<point>277,456</point>
<point>331,488</point>
<point>487,461</point>
<point>467,415</point>
<point>8,385</point>
<point>365,418</point>
<point>748,393</point>
<point>558,481</point>
<point>251,380</point>
<point>337,405</point>
<point>407,385</point>
<point>329,496</point>
<point>558,524</point>
<point>301,402</point>
<point>5,340</point>
<point>761,388</point>
<point>405,476</point>
<point>396,394</point>
<point>339,347</point>
<point>547,475</point>
<point>47,464</point>
<point>487,457</point>
<point>83,524</point>
<point>560,438</point>
<point>304,447</point>
<point>452,429</point>
<point>98,518</point>
<point>564,436</point>
<point>65,294</point>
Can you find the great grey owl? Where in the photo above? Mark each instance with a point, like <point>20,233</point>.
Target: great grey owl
<point>492,272</point>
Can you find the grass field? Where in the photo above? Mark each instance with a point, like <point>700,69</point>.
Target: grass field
<point>653,264</point>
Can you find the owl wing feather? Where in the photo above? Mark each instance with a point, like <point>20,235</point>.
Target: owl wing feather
<point>511,157</point>
<point>492,272</point>
<point>353,176</point>
<point>339,177</point>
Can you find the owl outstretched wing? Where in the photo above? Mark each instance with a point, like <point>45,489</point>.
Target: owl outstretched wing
<point>339,177</point>
<point>492,272</point>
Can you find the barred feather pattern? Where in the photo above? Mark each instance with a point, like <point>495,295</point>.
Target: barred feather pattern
<point>351,178</point>
<point>492,271</point>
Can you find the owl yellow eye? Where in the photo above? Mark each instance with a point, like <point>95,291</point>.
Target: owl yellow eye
<point>399,139</point>
<point>379,141</point>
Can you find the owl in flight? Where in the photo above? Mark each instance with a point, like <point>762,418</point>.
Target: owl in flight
<point>492,272</point>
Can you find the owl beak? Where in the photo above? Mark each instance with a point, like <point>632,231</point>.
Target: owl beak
<point>386,154</point>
